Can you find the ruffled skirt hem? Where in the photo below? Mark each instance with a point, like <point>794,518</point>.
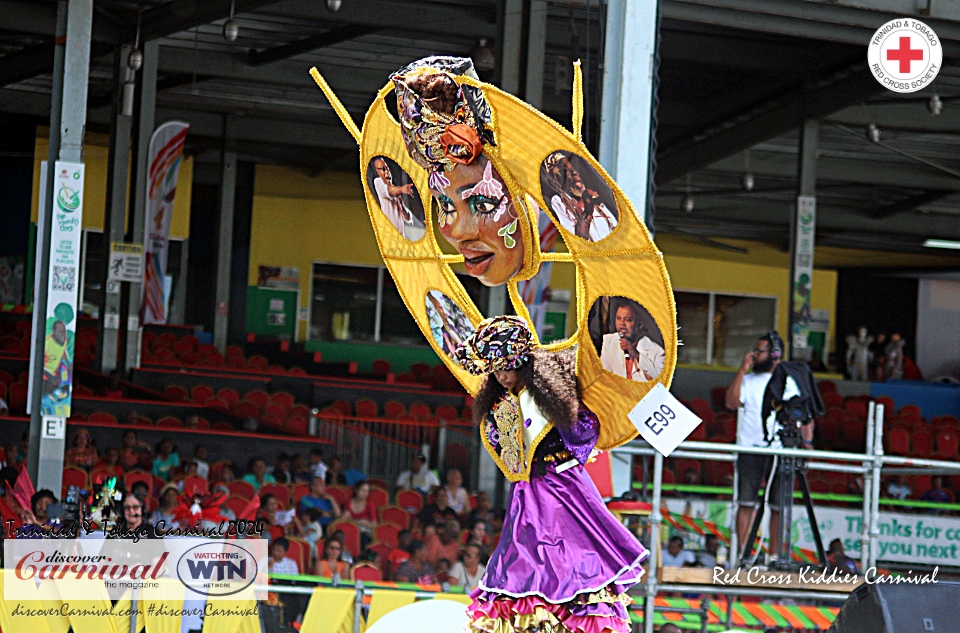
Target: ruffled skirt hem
<point>599,612</point>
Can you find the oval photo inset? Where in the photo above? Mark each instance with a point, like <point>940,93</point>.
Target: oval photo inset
<point>578,197</point>
<point>627,339</point>
<point>397,196</point>
<point>448,324</point>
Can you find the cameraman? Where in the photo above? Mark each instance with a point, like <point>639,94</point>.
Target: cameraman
<point>747,390</point>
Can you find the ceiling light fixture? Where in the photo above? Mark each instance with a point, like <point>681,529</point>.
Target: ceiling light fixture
<point>231,28</point>
<point>334,5</point>
<point>951,244</point>
<point>873,133</point>
<point>687,203</point>
<point>935,105</point>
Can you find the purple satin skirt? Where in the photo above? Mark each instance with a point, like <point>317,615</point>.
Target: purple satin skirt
<point>560,541</point>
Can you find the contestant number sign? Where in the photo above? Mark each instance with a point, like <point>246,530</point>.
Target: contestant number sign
<point>662,420</point>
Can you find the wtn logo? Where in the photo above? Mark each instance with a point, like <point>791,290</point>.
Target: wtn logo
<point>224,569</point>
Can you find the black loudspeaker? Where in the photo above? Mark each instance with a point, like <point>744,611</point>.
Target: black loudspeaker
<point>888,608</point>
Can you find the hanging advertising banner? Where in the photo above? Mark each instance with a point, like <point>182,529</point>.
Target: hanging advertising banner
<point>61,317</point>
<point>165,152</point>
<point>802,282</point>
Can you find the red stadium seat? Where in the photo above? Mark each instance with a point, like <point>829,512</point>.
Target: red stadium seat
<point>228,395</point>
<point>832,399</point>
<point>18,397</point>
<point>921,443</point>
<point>283,398</point>
<point>367,571</point>
<point>280,491</point>
<point>75,477</point>
<point>300,491</point>
<point>259,399</point>
<point>236,504</point>
<point>195,485</point>
<point>947,440</point>
<point>409,499</point>
<point>103,418</point>
<point>378,498</point>
<point>366,408</point>
<point>351,535</point>
<point>176,393</point>
<point>447,412</point>
<point>341,494</point>
<point>300,552</point>
<point>387,533</point>
<point>169,422</point>
<point>420,410</point>
<point>344,407</point>
<point>241,489</point>
<point>133,476</point>
<point>381,367</point>
<point>393,409</point>
<point>395,515</point>
<point>898,440</point>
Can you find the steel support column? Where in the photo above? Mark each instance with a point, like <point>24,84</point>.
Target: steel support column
<point>68,114</point>
<point>147,106</point>
<point>627,109</point>
<point>228,189</point>
<point>114,229</point>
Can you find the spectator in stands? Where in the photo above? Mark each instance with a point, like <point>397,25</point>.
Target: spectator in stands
<point>418,477</point>
<point>331,563</point>
<point>114,389</point>
<point>227,474</point>
<point>83,454</point>
<point>111,462</point>
<point>141,490</point>
<point>269,512</point>
<point>168,502</point>
<point>133,451</point>
<point>837,558</point>
<point>708,557</point>
<point>279,563</point>
<point>416,568</point>
<point>937,493</point>
<point>300,471</point>
<point>189,471</point>
<point>309,527</point>
<point>200,459</point>
<point>317,466</point>
<point>39,502</point>
<point>400,553</point>
<point>675,556</point>
<point>166,460</point>
<point>669,628</point>
<point>334,476</point>
<point>457,495</point>
<point>442,570</point>
<point>466,572</point>
<point>899,488</point>
<point>437,511</point>
<point>338,535</point>
<point>281,470</point>
<point>446,544</point>
<point>483,511</point>
<point>361,512</point>
<point>319,499</point>
<point>479,534</point>
<point>131,417</point>
<point>258,476</point>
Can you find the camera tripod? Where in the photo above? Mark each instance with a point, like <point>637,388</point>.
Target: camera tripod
<point>789,469</point>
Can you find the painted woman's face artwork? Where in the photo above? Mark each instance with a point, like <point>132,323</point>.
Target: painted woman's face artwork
<point>477,216</point>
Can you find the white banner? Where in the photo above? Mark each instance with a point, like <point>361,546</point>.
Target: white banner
<point>60,325</point>
<point>923,539</point>
<point>802,282</point>
<point>166,151</point>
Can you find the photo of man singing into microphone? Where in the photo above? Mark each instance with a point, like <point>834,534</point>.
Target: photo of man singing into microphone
<point>631,344</point>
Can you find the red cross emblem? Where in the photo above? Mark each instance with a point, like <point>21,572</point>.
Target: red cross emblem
<point>905,54</point>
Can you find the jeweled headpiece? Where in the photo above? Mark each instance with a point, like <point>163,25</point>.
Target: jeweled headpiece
<point>501,343</point>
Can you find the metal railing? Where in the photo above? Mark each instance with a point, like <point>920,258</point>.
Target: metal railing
<point>870,463</point>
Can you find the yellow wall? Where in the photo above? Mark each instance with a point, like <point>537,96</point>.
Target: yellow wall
<point>299,219</point>
<point>95,154</point>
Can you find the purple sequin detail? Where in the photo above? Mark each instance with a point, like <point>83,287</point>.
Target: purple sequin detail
<point>582,436</point>
<point>527,422</point>
<point>493,435</point>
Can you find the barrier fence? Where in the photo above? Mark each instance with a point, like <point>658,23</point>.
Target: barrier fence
<point>870,464</point>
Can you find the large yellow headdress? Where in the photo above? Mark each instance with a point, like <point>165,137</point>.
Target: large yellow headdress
<point>486,163</point>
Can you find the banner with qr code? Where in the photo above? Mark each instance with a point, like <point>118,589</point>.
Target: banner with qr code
<point>61,321</point>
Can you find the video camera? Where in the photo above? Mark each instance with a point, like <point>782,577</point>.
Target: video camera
<point>798,410</point>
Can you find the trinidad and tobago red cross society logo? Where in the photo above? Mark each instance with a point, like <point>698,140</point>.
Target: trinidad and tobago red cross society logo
<point>905,55</point>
